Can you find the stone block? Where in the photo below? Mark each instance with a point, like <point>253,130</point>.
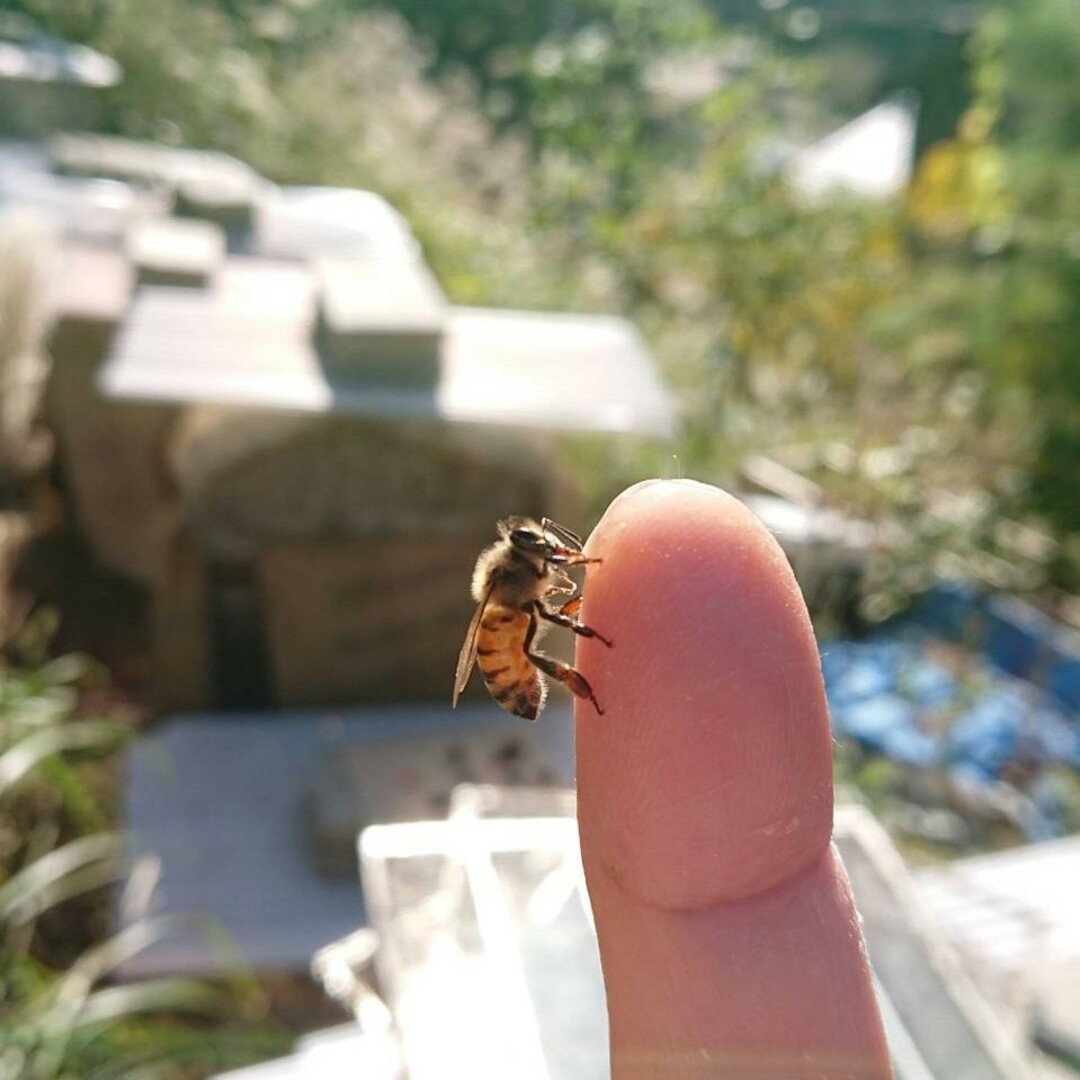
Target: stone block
<point>176,252</point>
<point>227,201</point>
<point>380,321</point>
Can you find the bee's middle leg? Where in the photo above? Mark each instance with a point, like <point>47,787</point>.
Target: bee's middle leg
<point>562,617</point>
<point>571,678</point>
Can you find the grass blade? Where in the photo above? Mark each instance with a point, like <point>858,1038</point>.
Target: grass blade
<point>32,750</point>
<point>117,1002</point>
<point>75,868</point>
<point>103,958</point>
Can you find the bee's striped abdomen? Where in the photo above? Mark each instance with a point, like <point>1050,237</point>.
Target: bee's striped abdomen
<point>500,654</point>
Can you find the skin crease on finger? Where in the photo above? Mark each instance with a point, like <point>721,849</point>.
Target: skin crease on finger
<point>776,986</point>
<point>709,776</point>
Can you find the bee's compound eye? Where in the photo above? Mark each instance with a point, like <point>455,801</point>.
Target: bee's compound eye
<point>526,537</point>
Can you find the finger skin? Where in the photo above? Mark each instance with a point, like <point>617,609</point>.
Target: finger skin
<point>729,941</point>
<point>710,775</point>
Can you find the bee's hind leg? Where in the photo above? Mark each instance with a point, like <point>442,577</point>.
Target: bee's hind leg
<point>570,677</point>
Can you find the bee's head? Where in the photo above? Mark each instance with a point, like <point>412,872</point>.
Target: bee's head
<point>526,536</point>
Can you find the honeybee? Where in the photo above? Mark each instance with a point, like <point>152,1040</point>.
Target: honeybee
<point>513,584</point>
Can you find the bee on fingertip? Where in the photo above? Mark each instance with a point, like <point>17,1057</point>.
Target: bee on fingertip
<point>515,584</point>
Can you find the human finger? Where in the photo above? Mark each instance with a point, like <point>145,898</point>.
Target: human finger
<point>729,940</point>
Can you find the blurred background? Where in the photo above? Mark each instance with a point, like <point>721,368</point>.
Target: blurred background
<point>297,297</point>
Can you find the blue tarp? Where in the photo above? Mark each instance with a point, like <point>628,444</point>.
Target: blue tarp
<point>893,697</point>
<point>1012,634</point>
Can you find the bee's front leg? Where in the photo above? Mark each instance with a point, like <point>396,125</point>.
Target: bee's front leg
<point>561,583</point>
<point>572,558</point>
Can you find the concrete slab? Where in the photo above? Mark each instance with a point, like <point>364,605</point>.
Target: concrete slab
<point>544,371</point>
<point>1013,916</point>
<point>139,161</point>
<point>1034,883</point>
<point>549,370</point>
<point>217,809</point>
<point>304,223</point>
<point>935,1004</point>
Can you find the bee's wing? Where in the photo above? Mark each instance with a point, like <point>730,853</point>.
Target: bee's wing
<point>467,657</point>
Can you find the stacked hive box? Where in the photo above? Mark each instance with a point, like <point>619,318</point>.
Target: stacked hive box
<point>271,417</point>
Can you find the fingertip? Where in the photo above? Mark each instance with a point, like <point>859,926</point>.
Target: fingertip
<point>647,497</point>
<point>709,775</point>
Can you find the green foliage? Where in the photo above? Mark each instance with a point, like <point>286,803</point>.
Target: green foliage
<point>188,75</point>
<point>544,160</point>
<point>1002,201</point>
<point>1039,53</point>
<point>1038,46</point>
<point>59,1018</point>
<point>75,20</point>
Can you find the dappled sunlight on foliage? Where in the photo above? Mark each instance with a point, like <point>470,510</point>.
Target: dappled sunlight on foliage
<point>617,156</point>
